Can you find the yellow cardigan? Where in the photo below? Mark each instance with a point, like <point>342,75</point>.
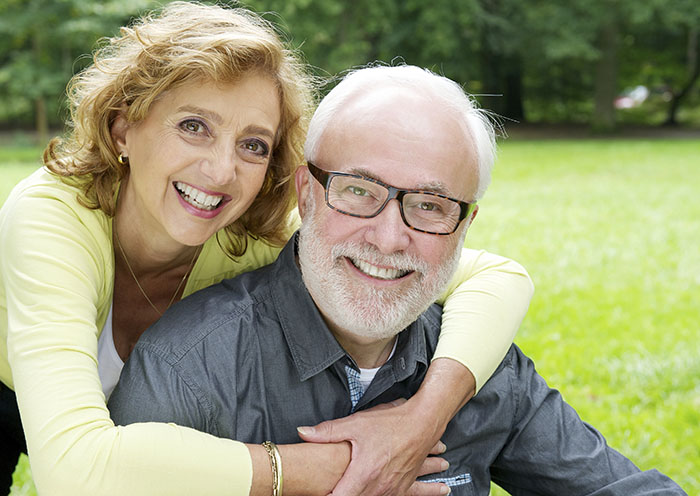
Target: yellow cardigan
<point>56,283</point>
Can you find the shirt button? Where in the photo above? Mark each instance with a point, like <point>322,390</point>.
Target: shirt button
<point>402,363</point>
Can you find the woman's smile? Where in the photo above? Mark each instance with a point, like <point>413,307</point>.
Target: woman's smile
<point>200,198</point>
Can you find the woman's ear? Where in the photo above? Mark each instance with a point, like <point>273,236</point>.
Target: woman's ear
<point>118,131</point>
<point>301,181</point>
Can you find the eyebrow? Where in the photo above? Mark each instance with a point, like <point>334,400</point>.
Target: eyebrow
<point>218,120</point>
<point>432,187</point>
<point>212,116</point>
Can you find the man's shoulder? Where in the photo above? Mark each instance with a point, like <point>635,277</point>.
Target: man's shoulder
<point>430,323</point>
<point>515,382</point>
<point>223,313</point>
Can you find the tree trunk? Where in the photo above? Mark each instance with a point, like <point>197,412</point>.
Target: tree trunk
<point>42,120</point>
<point>492,96</point>
<point>514,108</point>
<point>693,76</point>
<point>603,119</point>
<point>41,117</point>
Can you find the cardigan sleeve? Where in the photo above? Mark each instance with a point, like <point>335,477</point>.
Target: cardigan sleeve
<point>53,269</point>
<point>484,305</point>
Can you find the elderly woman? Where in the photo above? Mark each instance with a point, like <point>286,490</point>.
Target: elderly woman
<point>185,133</point>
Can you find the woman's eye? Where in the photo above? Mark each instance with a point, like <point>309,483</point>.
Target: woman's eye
<point>194,127</point>
<point>257,147</point>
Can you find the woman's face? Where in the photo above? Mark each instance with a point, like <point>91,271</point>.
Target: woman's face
<point>199,158</point>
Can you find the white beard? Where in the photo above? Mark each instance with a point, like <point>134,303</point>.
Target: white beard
<point>363,309</point>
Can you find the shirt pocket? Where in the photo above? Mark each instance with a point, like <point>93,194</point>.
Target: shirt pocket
<point>460,485</point>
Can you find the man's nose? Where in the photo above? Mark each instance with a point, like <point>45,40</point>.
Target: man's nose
<point>388,232</point>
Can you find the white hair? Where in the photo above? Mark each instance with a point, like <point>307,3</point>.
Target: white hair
<point>476,120</point>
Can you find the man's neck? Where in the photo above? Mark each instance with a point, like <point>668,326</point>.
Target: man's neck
<point>368,353</point>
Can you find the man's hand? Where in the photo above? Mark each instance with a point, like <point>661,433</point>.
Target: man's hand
<point>390,442</point>
<point>390,447</point>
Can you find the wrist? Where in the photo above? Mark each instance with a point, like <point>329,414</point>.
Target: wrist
<point>275,466</point>
<point>447,387</point>
<point>313,469</point>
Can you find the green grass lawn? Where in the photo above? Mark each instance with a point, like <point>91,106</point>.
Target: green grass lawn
<point>610,232</point>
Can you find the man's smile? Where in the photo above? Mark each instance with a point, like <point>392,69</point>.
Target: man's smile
<point>385,273</point>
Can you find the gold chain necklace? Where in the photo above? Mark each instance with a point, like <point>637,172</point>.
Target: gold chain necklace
<point>131,271</point>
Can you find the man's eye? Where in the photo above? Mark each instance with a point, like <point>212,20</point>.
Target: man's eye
<point>356,190</point>
<point>429,207</point>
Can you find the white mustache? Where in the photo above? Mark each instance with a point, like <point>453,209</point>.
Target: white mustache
<point>369,254</point>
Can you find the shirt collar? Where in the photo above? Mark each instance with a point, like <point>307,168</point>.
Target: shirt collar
<point>312,345</point>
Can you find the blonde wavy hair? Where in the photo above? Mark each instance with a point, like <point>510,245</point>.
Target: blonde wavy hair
<point>184,43</point>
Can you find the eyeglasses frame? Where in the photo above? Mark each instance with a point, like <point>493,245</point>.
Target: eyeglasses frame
<point>324,178</point>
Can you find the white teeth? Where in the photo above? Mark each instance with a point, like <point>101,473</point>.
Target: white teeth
<point>198,198</point>
<point>378,272</point>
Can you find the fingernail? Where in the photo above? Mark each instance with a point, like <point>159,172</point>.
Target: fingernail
<point>444,465</point>
<point>445,490</point>
<point>443,447</point>
<point>305,431</point>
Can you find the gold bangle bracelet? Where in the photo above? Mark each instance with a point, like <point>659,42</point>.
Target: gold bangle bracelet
<point>276,463</point>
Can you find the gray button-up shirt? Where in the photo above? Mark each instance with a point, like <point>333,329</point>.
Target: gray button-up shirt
<point>251,359</point>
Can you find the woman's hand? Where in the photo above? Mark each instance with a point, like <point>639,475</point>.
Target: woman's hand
<point>386,457</point>
<point>391,443</point>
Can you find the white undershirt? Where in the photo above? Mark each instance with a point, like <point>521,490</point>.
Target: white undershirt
<point>109,363</point>
<point>367,375</point>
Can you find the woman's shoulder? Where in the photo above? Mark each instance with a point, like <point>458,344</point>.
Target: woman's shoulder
<point>47,188</point>
<point>45,202</point>
<point>43,184</point>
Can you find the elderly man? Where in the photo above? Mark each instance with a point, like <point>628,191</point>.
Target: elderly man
<point>343,320</point>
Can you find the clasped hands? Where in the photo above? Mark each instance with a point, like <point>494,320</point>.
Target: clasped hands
<point>391,444</point>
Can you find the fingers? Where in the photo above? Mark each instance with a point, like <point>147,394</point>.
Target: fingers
<point>433,465</point>
<point>352,483</point>
<point>329,431</point>
<point>438,449</point>
<point>428,489</point>
<point>334,431</point>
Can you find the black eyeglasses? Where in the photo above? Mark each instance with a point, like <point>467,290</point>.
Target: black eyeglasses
<point>359,196</point>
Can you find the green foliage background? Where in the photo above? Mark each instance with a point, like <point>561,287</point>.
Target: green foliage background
<point>609,231</point>
<point>531,60</point>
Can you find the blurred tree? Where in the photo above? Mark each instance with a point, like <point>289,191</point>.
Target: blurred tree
<point>606,68</point>
<point>501,55</point>
<point>335,35</point>
<point>532,60</point>
<point>693,71</point>
<point>682,22</point>
<point>558,51</point>
<point>660,50</point>
<point>41,40</point>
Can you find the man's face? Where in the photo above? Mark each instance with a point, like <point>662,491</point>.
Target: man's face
<point>373,277</point>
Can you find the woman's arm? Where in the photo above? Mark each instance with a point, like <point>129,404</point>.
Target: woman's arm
<point>308,469</point>
<point>487,299</point>
<point>56,257</point>
<point>311,469</point>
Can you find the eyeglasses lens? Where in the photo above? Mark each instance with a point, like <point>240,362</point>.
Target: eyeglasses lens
<point>423,211</point>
